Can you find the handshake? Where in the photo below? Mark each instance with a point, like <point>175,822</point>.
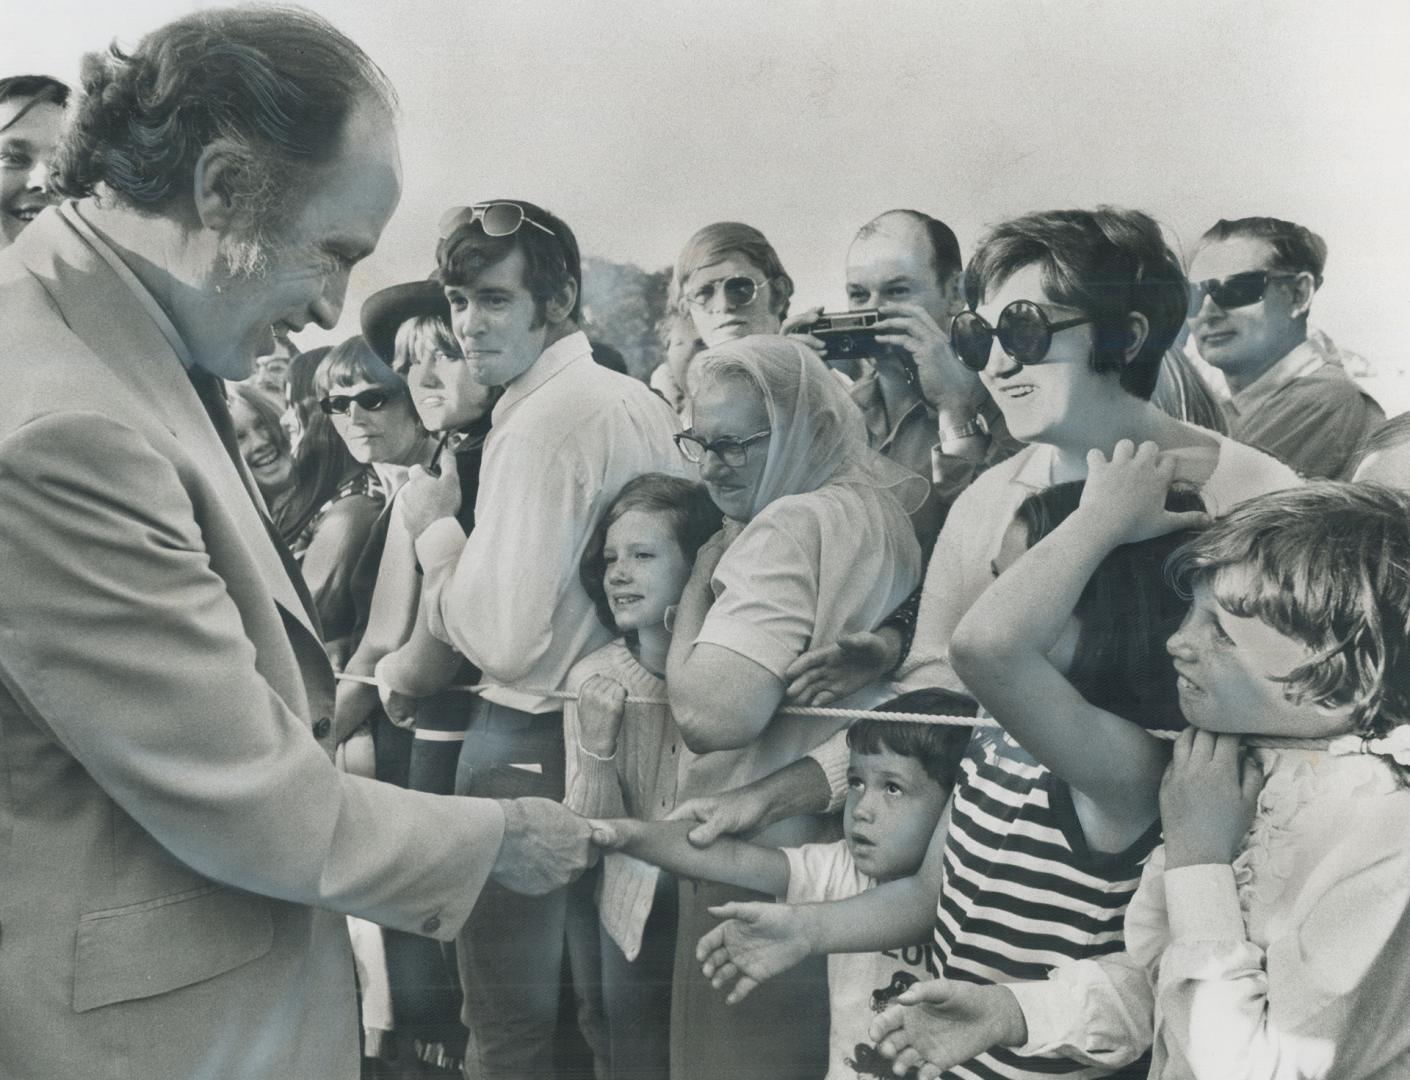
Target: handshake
<point>546,846</point>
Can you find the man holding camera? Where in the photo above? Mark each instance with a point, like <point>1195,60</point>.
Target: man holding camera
<point>925,410</point>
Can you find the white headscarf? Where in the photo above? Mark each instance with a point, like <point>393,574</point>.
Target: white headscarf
<point>819,436</point>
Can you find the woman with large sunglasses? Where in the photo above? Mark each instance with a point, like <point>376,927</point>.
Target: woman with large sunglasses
<point>1070,314</point>
<point>357,444</point>
<point>817,544</point>
<point>730,282</point>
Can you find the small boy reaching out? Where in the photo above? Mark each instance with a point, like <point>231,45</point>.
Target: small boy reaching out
<point>899,779</point>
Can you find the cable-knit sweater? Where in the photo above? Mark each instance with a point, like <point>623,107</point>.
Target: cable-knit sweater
<point>639,781</point>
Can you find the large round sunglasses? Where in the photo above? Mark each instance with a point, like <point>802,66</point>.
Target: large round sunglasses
<point>1024,332</point>
<point>1234,291</point>
<point>370,400</point>
<point>738,292</point>
<point>733,452</point>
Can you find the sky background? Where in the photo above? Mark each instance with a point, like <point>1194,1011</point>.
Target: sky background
<point>638,121</point>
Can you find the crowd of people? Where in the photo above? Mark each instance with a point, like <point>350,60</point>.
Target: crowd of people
<point>1023,692</point>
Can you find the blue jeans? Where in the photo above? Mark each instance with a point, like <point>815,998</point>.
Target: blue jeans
<point>511,949</point>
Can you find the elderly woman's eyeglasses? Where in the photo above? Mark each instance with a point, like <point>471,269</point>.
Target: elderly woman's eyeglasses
<point>738,292</point>
<point>733,452</point>
<point>1024,332</point>
<point>370,400</point>
<point>495,218</point>
<point>1234,291</point>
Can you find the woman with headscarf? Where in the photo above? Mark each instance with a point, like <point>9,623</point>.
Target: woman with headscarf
<point>817,544</point>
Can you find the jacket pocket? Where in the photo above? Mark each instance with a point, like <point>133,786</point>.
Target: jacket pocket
<point>166,943</point>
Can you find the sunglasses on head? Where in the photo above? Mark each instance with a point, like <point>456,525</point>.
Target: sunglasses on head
<point>370,400</point>
<point>495,218</point>
<point>738,292</point>
<point>1024,332</point>
<point>1234,291</point>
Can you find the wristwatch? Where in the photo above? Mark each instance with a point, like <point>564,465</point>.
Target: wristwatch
<point>976,425</point>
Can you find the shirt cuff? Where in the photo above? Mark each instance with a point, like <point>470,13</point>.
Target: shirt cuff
<point>597,791</point>
<point>1050,1011</point>
<point>440,544</point>
<point>1203,903</point>
<point>834,758</point>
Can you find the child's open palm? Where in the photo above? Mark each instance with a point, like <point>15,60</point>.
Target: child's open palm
<point>937,1025</point>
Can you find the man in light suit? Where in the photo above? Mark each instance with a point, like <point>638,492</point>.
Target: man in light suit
<point>176,846</point>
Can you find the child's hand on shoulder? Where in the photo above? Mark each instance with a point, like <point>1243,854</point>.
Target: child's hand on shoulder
<point>601,705</point>
<point>1125,496</point>
<point>1207,799</point>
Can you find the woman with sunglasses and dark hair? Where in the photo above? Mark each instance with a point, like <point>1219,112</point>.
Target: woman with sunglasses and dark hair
<point>364,423</point>
<point>1070,313</point>
<point>729,280</point>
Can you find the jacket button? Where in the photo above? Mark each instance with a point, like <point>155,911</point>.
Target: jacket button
<point>431,925</point>
<point>322,728</point>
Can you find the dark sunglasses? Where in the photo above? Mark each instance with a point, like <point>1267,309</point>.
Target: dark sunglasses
<point>738,292</point>
<point>1234,291</point>
<point>369,400</point>
<point>733,452</point>
<point>495,218</point>
<point>1024,332</point>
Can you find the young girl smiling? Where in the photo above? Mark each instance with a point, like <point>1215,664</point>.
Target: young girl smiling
<point>623,758</point>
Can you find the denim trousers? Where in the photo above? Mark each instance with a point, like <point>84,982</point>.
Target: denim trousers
<point>511,950</point>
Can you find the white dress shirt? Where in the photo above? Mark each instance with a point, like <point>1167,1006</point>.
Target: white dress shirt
<point>567,434</point>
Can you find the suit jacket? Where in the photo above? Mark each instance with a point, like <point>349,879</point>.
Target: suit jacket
<point>176,847</point>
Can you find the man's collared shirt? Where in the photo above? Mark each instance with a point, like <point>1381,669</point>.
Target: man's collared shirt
<point>1306,411</point>
<point>566,435</point>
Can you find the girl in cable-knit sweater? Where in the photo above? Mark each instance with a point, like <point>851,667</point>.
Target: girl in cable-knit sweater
<point>623,757</point>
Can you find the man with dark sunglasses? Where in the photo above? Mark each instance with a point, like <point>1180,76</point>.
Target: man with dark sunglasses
<point>565,437</point>
<point>1251,287</point>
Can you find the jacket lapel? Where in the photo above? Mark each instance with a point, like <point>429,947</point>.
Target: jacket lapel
<point>102,311</point>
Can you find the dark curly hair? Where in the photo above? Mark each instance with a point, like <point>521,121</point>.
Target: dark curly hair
<point>274,85</point>
<point>1107,263</point>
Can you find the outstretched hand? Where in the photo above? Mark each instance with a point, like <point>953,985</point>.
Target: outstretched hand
<point>1126,494</point>
<point>937,1025</point>
<point>822,676</point>
<point>756,942</point>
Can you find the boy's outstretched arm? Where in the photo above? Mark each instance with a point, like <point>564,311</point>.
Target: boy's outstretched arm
<point>758,941</point>
<point>729,860</point>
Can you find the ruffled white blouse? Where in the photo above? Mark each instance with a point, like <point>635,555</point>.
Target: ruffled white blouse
<point>1293,962</point>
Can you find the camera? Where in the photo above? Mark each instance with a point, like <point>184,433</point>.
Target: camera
<point>850,336</point>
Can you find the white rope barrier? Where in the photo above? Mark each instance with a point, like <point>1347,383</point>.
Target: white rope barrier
<point>818,710</point>
<point>786,710</point>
